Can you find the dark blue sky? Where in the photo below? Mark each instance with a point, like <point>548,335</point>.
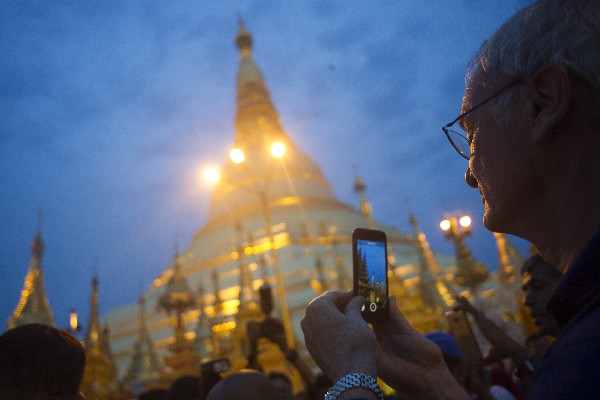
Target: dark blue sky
<point>111,109</point>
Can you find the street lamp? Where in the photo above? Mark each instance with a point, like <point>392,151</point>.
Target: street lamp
<point>238,157</point>
<point>471,273</point>
<point>453,226</point>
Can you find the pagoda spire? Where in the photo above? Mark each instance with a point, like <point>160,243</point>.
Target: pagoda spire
<point>144,368</point>
<point>178,298</point>
<point>509,295</point>
<point>258,127</point>
<point>33,306</point>
<point>98,379</point>
<point>256,120</point>
<point>365,207</point>
<point>92,337</point>
<point>435,291</point>
<point>509,259</point>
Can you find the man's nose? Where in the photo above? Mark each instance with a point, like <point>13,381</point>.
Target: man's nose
<point>471,181</point>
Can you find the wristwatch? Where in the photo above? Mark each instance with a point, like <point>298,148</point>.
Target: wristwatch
<point>354,380</point>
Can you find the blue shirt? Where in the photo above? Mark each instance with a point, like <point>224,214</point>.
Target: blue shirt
<point>571,367</point>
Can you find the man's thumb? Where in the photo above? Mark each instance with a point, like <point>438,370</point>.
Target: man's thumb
<point>354,306</point>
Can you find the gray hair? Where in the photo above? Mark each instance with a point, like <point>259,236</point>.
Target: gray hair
<point>548,32</point>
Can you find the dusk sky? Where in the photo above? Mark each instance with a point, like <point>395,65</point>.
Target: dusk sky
<point>112,109</point>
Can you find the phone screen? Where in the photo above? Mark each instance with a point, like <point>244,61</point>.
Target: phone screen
<point>370,272</point>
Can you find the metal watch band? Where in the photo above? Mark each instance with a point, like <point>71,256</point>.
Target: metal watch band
<point>354,380</point>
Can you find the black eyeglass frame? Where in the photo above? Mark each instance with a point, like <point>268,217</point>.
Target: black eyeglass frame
<point>446,127</point>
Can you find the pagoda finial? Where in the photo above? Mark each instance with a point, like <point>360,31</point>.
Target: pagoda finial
<point>243,40</point>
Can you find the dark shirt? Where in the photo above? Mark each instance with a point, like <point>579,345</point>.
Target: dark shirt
<point>571,367</point>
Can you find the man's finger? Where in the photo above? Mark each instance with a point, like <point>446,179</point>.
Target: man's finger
<point>334,297</point>
<point>396,321</point>
<point>354,306</point>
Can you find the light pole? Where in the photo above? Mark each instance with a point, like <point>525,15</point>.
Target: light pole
<point>238,157</point>
<point>471,273</point>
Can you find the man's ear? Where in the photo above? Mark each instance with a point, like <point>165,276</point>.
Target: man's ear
<point>550,95</point>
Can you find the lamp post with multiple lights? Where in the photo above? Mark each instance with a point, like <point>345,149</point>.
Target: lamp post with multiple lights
<point>238,157</point>
<point>471,273</point>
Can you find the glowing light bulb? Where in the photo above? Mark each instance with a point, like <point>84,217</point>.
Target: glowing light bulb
<point>237,156</point>
<point>212,175</point>
<point>445,224</point>
<point>465,221</point>
<point>278,149</point>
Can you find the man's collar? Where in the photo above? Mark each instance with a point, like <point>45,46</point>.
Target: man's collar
<point>581,280</point>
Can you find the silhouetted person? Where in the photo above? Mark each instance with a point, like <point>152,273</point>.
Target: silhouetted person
<point>539,282</point>
<point>244,384</point>
<point>154,394</point>
<point>185,388</point>
<point>282,384</point>
<point>40,362</point>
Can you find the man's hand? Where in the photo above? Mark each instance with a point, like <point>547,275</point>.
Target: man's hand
<point>411,363</point>
<point>337,336</point>
<point>502,344</point>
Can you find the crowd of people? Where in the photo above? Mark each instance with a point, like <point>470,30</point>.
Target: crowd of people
<point>529,129</point>
<point>43,362</point>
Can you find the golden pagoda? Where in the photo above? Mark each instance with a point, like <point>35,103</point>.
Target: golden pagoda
<point>272,218</point>
<point>33,306</point>
<point>100,374</point>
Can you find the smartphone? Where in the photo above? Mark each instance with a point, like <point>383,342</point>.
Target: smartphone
<point>370,269</point>
<point>460,328</point>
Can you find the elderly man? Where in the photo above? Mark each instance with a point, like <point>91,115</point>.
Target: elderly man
<point>531,120</point>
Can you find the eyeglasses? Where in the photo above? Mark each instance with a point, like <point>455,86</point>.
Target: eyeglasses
<point>457,136</point>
